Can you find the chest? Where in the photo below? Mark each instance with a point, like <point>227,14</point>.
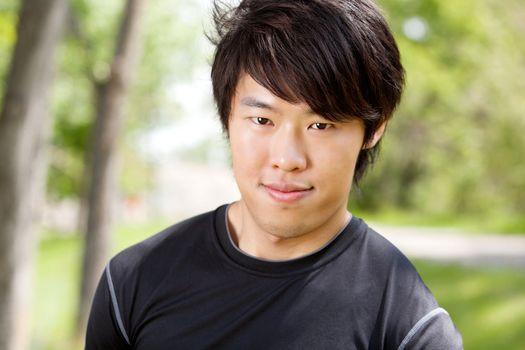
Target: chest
<point>317,310</point>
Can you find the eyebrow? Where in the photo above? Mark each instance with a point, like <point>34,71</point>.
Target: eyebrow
<point>251,101</point>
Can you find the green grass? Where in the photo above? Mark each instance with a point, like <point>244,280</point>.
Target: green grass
<point>494,224</point>
<point>488,306</point>
<point>55,294</point>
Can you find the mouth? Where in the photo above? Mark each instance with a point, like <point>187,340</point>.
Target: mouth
<point>287,192</point>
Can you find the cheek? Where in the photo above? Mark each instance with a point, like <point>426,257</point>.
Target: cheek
<point>247,155</point>
<point>336,164</point>
<point>341,151</point>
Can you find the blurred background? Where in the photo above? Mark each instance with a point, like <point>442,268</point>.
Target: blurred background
<point>108,134</point>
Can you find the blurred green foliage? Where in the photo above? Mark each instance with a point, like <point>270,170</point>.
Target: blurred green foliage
<point>8,19</point>
<point>172,48</point>
<point>170,45</point>
<point>455,145</point>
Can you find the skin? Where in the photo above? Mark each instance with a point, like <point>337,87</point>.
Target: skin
<point>294,170</point>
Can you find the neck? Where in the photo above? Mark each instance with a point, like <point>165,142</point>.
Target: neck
<point>266,243</point>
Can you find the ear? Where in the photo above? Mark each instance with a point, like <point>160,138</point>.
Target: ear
<point>376,137</point>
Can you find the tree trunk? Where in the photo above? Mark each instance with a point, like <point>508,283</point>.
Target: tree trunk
<point>24,126</point>
<point>111,96</point>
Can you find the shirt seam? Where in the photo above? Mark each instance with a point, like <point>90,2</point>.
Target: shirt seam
<point>422,322</point>
<point>114,302</point>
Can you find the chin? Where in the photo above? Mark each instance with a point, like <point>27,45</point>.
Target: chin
<point>285,229</point>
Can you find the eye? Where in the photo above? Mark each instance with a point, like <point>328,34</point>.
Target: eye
<point>321,126</point>
<point>261,121</point>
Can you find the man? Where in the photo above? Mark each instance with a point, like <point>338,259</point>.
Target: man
<point>304,90</point>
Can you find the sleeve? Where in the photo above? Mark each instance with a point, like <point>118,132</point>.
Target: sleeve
<point>415,319</point>
<point>434,331</point>
<point>105,330</point>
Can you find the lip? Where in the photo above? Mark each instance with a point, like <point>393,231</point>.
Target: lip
<point>287,192</point>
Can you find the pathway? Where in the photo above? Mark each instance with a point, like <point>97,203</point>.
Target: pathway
<point>452,245</point>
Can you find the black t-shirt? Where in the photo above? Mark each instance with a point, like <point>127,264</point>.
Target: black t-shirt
<point>190,287</point>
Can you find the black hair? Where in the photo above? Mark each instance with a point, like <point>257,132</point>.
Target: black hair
<point>337,56</point>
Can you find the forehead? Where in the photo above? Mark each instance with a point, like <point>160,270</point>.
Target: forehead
<point>250,94</point>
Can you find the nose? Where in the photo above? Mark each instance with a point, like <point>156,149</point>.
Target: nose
<point>287,150</point>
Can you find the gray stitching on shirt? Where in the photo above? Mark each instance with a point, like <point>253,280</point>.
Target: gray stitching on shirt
<point>419,325</point>
<point>115,304</point>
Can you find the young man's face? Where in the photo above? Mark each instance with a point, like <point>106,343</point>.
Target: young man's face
<point>294,168</point>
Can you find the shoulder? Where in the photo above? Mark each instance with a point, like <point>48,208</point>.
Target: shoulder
<point>402,282</point>
<point>385,258</point>
<point>411,314</point>
<point>154,254</point>
<point>373,260</point>
<point>137,273</point>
